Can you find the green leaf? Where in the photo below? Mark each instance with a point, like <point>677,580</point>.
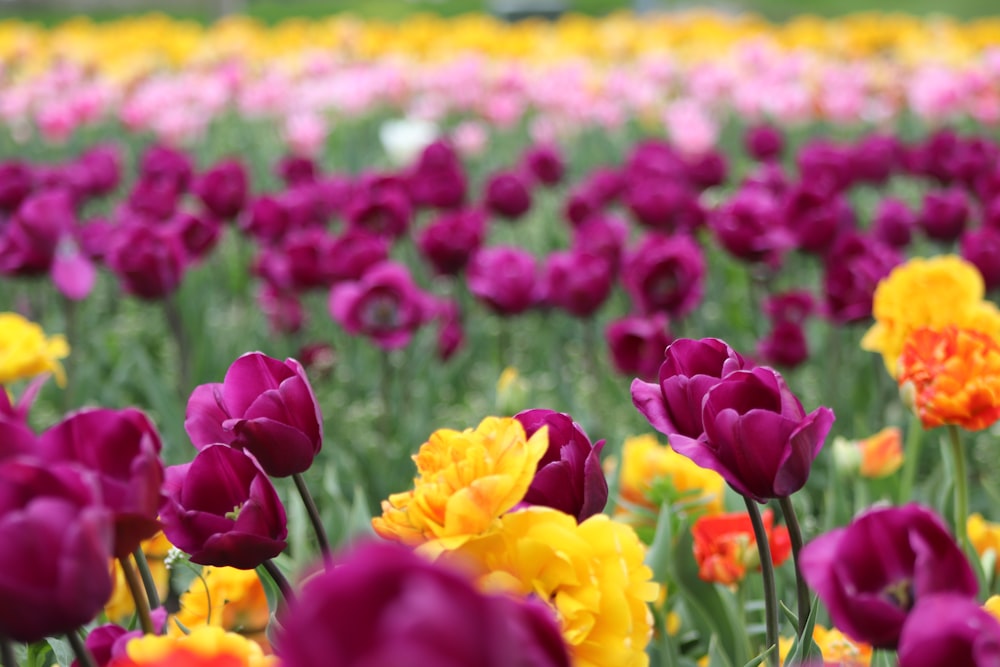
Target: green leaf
<point>717,657</point>
<point>804,649</point>
<point>270,588</point>
<point>62,650</point>
<point>761,658</point>
<point>658,558</point>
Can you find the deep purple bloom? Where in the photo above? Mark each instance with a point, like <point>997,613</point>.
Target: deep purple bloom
<point>871,573</point>
<point>154,199</point>
<point>507,195</point>
<point>757,435</point>
<point>30,239</point>
<point>106,642</point>
<point>354,252</point>
<point>282,308</point>
<point>637,343</point>
<point>438,178</point>
<point>385,305</point>
<point>666,206</point>
<point>577,282</point>
<point>449,241</point>
<point>57,539</point>
<point>784,345</point>
<point>654,159</point>
<point>816,217</point>
<point>295,170</point>
<point>874,158</point>
<point>689,369</point>
<point>451,334</point>
<point>945,214</point>
<point>505,278</point>
<point>665,274</point>
<point>602,235</point>
<point>198,232</point>
<point>166,165</point>
<point>264,406</point>
<point>982,248</point>
<point>122,450</point>
<point>223,510</point>
<point>99,169</point>
<point>223,189</point>
<point>749,226</point>
<point>824,164</point>
<point>851,272</point>
<point>266,219</point>
<point>381,208</point>
<point>149,261</point>
<point>706,170</point>
<point>945,630</point>
<point>16,183</point>
<point>763,142</point>
<point>792,306</point>
<point>894,223</point>
<point>16,436</point>
<point>569,476</point>
<point>381,604</point>
<point>545,164</point>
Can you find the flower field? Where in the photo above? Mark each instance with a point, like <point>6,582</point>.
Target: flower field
<point>665,340</point>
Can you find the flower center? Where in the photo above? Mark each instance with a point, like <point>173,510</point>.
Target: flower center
<point>235,514</point>
<point>900,593</point>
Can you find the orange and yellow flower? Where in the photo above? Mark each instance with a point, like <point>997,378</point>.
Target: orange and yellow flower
<point>951,376</point>
<point>25,350</point>
<point>882,453</point>
<point>837,649</point>
<point>231,599</point>
<point>993,606</point>
<point>121,607</point>
<point>934,293</point>
<point>591,573</point>
<point>725,547</point>
<point>465,481</point>
<point>648,467</point>
<point>206,646</point>
<point>984,536</point>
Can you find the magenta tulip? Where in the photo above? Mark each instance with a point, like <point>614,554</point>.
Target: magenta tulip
<point>577,282</point>
<point>637,343</point>
<point>665,274</point>
<point>945,629</point>
<point>505,279</point>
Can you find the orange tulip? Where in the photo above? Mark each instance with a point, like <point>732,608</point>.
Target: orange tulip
<point>725,548</point>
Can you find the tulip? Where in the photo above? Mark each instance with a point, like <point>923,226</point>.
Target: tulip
<point>16,183</point>
<point>604,236</point>
<point>164,164</point>
<point>449,241</point>
<point>763,142</point>
<point>100,170</point>
<point>266,219</point>
<point>149,262</point>
<point>815,217</point>
<point>873,572</point>
<point>264,406</point>
<point>689,370</point>
<point>981,248</point>
<point>569,477</point>
<point>385,305</point>
<point>785,345</point>
<point>451,334</point>
<point>577,282</point>
<point>223,189</point>
<point>57,539</point>
<point>706,170</point>
<point>947,629</point>
<point>354,252</point>
<point>438,179</point>
<point>824,164</point>
<point>545,164</point>
<point>665,274</point>
<point>122,449</point>
<point>223,510</point>
<point>384,605</point>
<point>30,239</point>
<point>757,435</point>
<point>384,210</point>
<point>852,271</point>
<point>792,306</point>
<point>874,158</point>
<point>154,199</point>
<point>748,226</point>
<point>199,234</point>
<point>295,170</point>
<point>637,343</point>
<point>505,278</point>
<point>282,308</point>
<point>507,195</point>
<point>666,207</point>
<point>106,642</point>
<point>945,214</point>
<point>894,223</point>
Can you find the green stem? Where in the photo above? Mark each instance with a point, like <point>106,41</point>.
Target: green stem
<point>385,393</point>
<point>69,311</point>
<point>911,461</point>
<point>961,487</point>
<point>176,324</point>
<point>767,573</point>
<point>138,595</point>
<point>7,658</point>
<point>801,589</point>
<point>83,654</point>
<point>279,579</point>
<point>313,512</point>
<point>148,583</point>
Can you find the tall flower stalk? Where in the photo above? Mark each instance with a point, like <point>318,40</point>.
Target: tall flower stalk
<point>767,573</point>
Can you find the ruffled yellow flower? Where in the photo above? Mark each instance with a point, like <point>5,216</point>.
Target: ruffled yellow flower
<point>466,480</point>
<point>206,646</point>
<point>121,607</point>
<point>984,536</point>
<point>646,464</point>
<point>231,599</point>
<point>591,573</point>
<point>836,648</point>
<point>25,351</point>
<point>951,376</point>
<point>930,293</point>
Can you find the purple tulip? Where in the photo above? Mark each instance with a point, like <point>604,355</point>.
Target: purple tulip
<point>824,164</point>
<point>577,282</point>
<point>545,164</point>
<point>264,406</point>
<point>602,235</point>
<point>851,272</point>
<point>383,605</point>
<point>380,208</point>
<point>507,195</point>
<point>16,437</point>
<point>122,449</point>
<point>749,226</point>
<point>354,252</point>
<point>100,170</point>
<point>266,220</point>
<point>757,435</point>
<point>815,217</point>
<point>223,189</point>
<point>451,334</point>
<point>569,476</point>
<point>982,249</point>
<point>690,368</point>
<point>198,233</point>
<point>223,510</point>
<point>385,305</point>
<point>637,343</point>
<point>282,308</point>
<point>945,214</point>
<point>665,274</point>
<point>106,642</point>
<point>17,180</point>
<point>945,630</point>
<point>164,164</point>
<point>296,170</point>
<point>764,142</point>
<point>792,306</point>
<point>505,279</point>
<point>149,262</point>
<point>654,159</point>
<point>57,540</point>
<point>874,158</point>
<point>438,179</point>
<point>449,241</point>
<point>154,199</point>
<point>30,239</point>
<point>667,207</point>
<point>894,223</point>
<point>784,345</point>
<point>871,573</point>
<point>706,170</point>
<point>72,272</point>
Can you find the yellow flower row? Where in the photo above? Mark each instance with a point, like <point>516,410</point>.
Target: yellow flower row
<point>157,41</point>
